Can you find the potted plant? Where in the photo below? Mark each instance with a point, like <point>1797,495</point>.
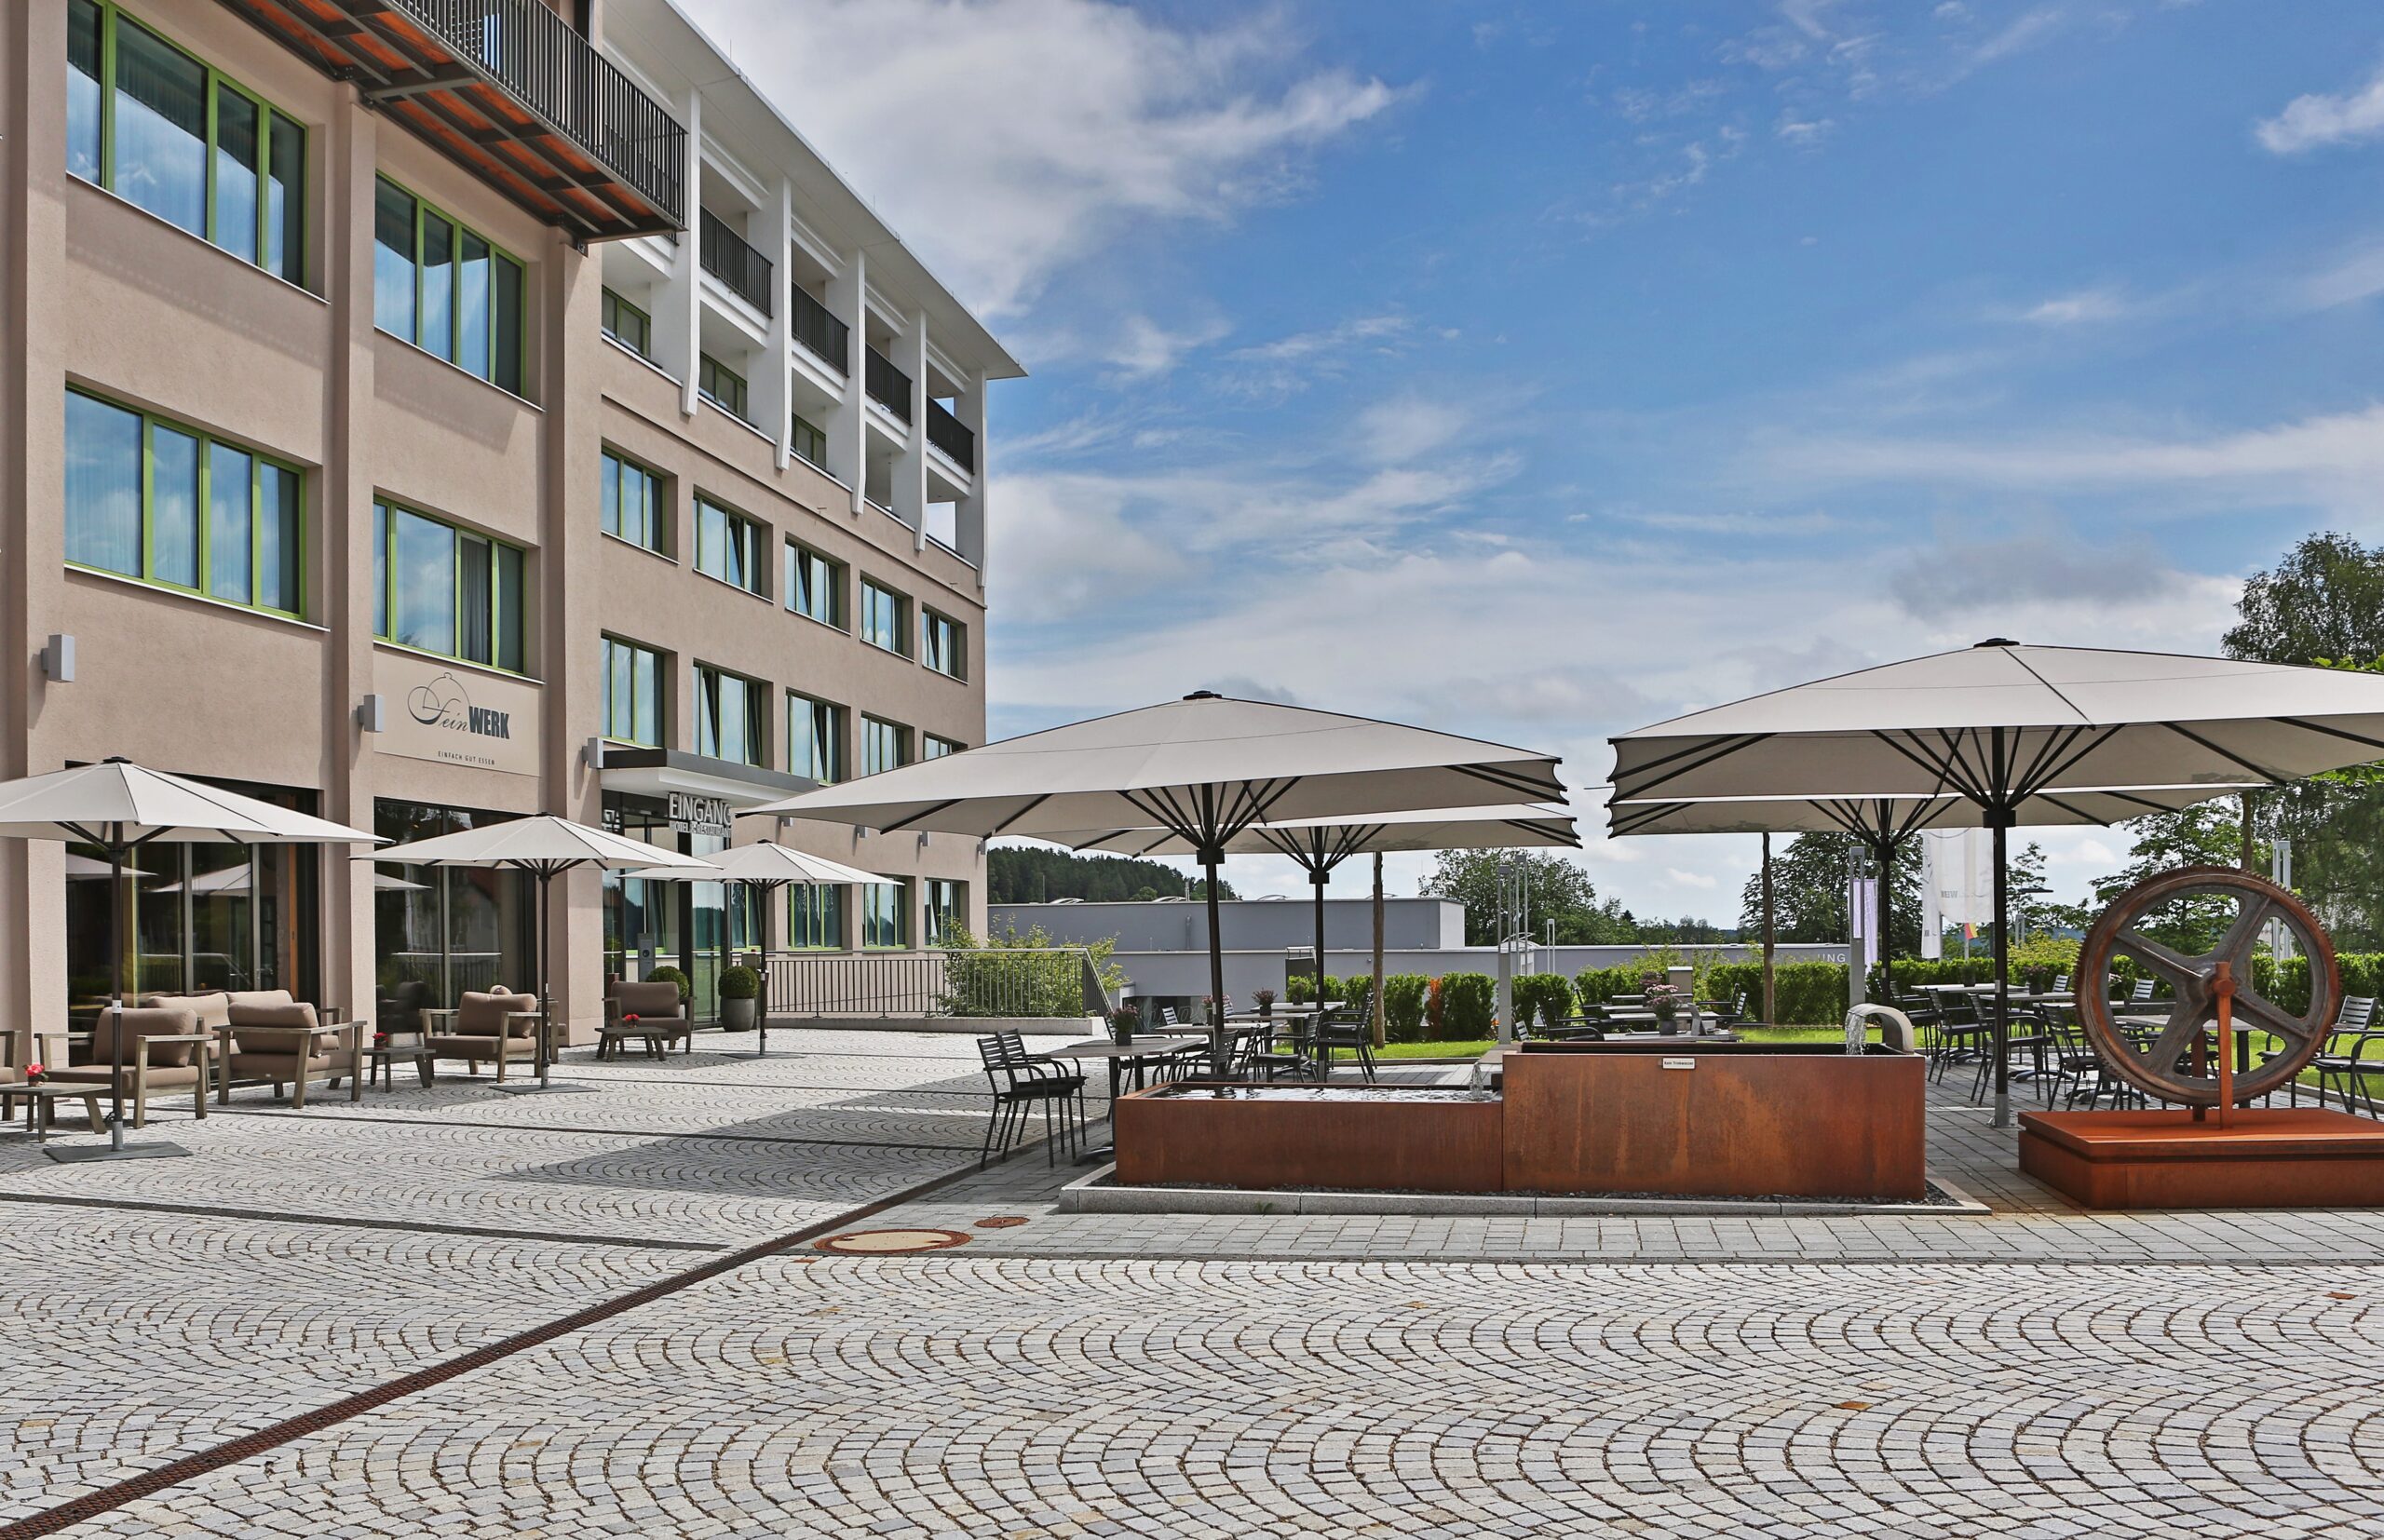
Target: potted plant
<point>1124,1022</point>
<point>741,996</point>
<point>673,975</point>
<point>35,1074</point>
<point>1665,1000</point>
<point>1266,998</point>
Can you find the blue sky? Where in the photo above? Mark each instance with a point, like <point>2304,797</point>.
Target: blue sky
<point>1537,372</point>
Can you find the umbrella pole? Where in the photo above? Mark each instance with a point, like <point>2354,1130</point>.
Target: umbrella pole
<point>1211,857</point>
<point>760,893</point>
<point>1887,968</point>
<point>2000,819</point>
<point>544,1026</point>
<point>115,1000</point>
<point>1318,876</point>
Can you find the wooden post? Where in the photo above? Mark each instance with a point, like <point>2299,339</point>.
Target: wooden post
<point>2222,985</point>
<point>1375,998</point>
<point>1769,1008</point>
<point>2247,857</point>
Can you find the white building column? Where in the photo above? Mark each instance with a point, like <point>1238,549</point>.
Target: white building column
<point>678,308</point>
<point>969,523</point>
<point>911,469</point>
<point>778,397</point>
<point>848,429</point>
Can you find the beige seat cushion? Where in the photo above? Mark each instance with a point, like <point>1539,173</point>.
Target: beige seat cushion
<point>482,1013</point>
<point>161,1078</point>
<point>474,1046</point>
<point>213,1010</point>
<point>139,1024</point>
<point>258,996</point>
<point>646,999</point>
<point>284,1015</point>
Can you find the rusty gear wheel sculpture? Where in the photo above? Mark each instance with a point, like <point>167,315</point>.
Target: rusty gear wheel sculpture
<point>2171,1065</point>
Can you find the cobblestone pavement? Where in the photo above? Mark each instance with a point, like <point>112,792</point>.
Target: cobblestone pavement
<point>1097,1374</point>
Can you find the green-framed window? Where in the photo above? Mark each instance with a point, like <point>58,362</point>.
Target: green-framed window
<point>447,289</point>
<point>444,589</point>
<point>728,716</point>
<point>632,498</point>
<point>886,915</point>
<point>810,442</point>
<point>633,694</point>
<point>885,618</point>
<point>150,498</point>
<point>627,325</point>
<point>943,644</point>
<point>727,546</point>
<point>947,911</point>
<point>815,916</point>
<point>722,385</point>
<point>934,748</point>
<point>815,586</point>
<point>884,744</point>
<point>815,739</point>
<point>169,133</point>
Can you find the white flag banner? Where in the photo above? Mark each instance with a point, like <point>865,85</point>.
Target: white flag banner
<point>1956,883</point>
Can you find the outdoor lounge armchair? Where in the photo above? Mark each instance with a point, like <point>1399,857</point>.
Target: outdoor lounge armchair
<point>491,1027</point>
<point>661,1016</point>
<point>277,1041</point>
<point>165,1049</point>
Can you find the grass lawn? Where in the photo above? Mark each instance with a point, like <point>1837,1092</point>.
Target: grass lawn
<point>1474,1049</point>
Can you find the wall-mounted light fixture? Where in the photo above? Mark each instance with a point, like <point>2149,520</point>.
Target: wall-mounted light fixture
<point>58,660</point>
<point>594,752</point>
<point>372,713</point>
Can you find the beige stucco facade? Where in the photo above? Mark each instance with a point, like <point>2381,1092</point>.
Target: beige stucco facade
<point>98,295</point>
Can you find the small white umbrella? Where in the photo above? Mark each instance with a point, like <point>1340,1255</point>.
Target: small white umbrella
<point>763,869</point>
<point>2000,724</point>
<point>121,807</point>
<point>545,847</point>
<point>1205,767</point>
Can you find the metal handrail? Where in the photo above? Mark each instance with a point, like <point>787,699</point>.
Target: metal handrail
<point>536,58</point>
<point>952,436</point>
<point>1055,982</point>
<point>728,258</point>
<point>887,385</point>
<point>816,327</point>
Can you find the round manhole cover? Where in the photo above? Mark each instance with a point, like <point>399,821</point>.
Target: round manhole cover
<point>883,1242</point>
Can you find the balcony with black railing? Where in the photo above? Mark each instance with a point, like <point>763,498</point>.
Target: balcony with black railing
<point>952,436</point>
<point>823,336</point>
<point>514,93</point>
<point>887,385</point>
<point>726,257</point>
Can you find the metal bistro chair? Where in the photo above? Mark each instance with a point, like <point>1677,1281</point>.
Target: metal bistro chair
<point>2343,1057</point>
<point>1019,1085</point>
<point>1338,1030</point>
<point>2025,1033</point>
<point>2079,1069</point>
<point>1962,1031</point>
<point>1014,1046</point>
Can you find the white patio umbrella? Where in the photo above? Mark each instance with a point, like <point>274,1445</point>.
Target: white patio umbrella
<point>545,847</point>
<point>1884,824</point>
<point>237,879</point>
<point>760,869</point>
<point>1204,767</point>
<point>121,807</point>
<point>1999,724</point>
<point>1318,845</point>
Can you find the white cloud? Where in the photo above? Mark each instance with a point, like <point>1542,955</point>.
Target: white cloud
<point>1406,427</point>
<point>1008,138</point>
<point>2355,277</point>
<point>1802,131</point>
<point>2091,305</point>
<point>1700,880</point>
<point>2025,33</point>
<point>2311,121</point>
<point>1287,364</point>
<point>1144,348</point>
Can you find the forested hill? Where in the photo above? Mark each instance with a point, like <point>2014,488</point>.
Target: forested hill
<point>1024,875</point>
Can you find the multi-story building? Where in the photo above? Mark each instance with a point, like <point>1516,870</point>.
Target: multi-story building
<point>438,411</point>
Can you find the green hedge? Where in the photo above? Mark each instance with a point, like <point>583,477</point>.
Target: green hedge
<point>1402,1006</point>
<point>1470,1004</point>
<point>1541,997</point>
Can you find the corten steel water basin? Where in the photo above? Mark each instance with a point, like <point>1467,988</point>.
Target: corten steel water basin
<point>2263,1157</point>
<point>1731,1120</point>
<point>1229,1135</point>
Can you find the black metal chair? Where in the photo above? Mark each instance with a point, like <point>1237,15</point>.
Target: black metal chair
<point>1020,1084</point>
<point>2344,1057</point>
<point>1340,1030</point>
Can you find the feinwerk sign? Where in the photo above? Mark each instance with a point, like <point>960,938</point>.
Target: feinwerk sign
<point>457,717</point>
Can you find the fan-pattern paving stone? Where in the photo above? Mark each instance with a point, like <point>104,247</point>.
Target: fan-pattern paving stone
<point>958,1394</point>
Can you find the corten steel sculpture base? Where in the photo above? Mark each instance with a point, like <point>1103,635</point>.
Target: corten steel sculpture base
<point>2210,1151</point>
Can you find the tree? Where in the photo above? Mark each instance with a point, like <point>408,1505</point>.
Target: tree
<point>1809,882</point>
<point>1026,874</point>
<point>2324,602</point>
<point>1554,888</point>
<point>2208,833</point>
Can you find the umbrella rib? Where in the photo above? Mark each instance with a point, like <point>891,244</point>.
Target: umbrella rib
<point>1745,740</point>
<point>2053,747</point>
<point>1502,778</point>
<point>922,813</point>
<point>2071,762</point>
<point>1639,813</point>
<point>2071,808</point>
<point>1030,807</point>
<point>2191,735</point>
<point>1942,769</point>
<point>2309,726</point>
<point>1923,813</point>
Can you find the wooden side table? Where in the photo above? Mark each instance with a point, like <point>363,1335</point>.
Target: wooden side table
<point>41,1102</point>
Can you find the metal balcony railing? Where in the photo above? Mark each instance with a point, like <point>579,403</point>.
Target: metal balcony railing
<point>816,327</point>
<point>952,436</point>
<point>887,385</point>
<point>512,90</point>
<point>727,258</point>
<point>1049,982</point>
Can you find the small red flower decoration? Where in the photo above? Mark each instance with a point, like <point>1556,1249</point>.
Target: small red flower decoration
<point>34,1073</point>
<point>630,1019</point>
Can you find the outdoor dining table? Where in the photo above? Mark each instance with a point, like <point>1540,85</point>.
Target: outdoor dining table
<point>1123,1056</point>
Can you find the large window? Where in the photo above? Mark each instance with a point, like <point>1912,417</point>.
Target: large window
<point>446,590</point>
<point>947,916</point>
<point>934,748</point>
<point>166,133</point>
<point>884,746</point>
<point>632,496</point>
<point>633,694</point>
<point>445,289</point>
<point>945,644</point>
<point>728,716</point>
<point>886,915</point>
<point>722,385</point>
<point>625,324</point>
<point>885,618</point>
<point>151,499</point>
<point>810,443</point>
<point>815,739</point>
<point>815,916</point>
<point>815,586</point>
<point>726,546</point>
